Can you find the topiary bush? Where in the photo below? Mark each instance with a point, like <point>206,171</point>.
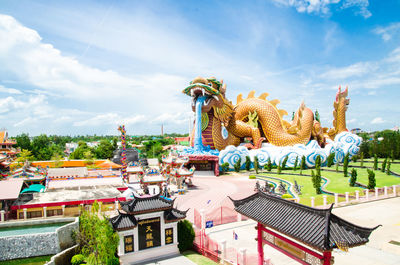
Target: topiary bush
<point>237,165</point>
<point>375,162</point>
<point>329,160</point>
<point>247,164</point>
<point>252,177</point>
<point>256,166</point>
<point>353,177</point>
<point>225,167</point>
<point>346,165</point>
<point>268,166</point>
<point>371,179</point>
<point>185,235</point>
<point>79,259</point>
<point>283,166</point>
<point>287,196</point>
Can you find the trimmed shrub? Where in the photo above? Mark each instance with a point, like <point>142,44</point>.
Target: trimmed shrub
<point>362,159</point>
<point>252,177</point>
<point>284,162</point>
<point>295,163</point>
<point>78,259</point>
<point>375,162</point>
<point>279,169</point>
<point>237,165</point>
<point>371,179</point>
<point>247,164</point>
<point>318,166</point>
<point>384,165</point>
<point>303,163</point>
<point>185,235</point>
<point>346,165</point>
<point>225,167</point>
<point>268,166</point>
<point>316,180</point>
<point>329,160</point>
<point>256,166</point>
<point>388,167</point>
<point>353,178</point>
<point>354,158</point>
<point>286,196</point>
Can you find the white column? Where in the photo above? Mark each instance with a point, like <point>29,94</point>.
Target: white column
<point>376,193</point>
<point>203,219</point>
<point>63,209</point>
<point>243,255</point>
<point>312,202</point>
<point>357,195</point>
<point>2,215</point>
<point>116,205</point>
<point>394,190</point>
<point>336,199</point>
<point>385,191</point>
<point>347,196</point>
<point>25,213</point>
<point>324,199</point>
<point>223,251</point>
<point>44,211</point>
<point>367,195</point>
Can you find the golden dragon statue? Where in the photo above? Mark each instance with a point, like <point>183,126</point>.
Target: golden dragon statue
<point>226,124</point>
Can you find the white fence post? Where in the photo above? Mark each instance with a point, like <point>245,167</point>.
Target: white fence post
<point>116,205</point>
<point>357,195</point>
<point>223,251</point>
<point>376,192</point>
<point>44,211</point>
<point>239,217</point>
<point>312,202</point>
<point>203,219</point>
<point>324,199</point>
<point>385,191</point>
<point>347,196</point>
<point>243,254</point>
<point>2,215</point>
<point>367,195</point>
<point>63,209</point>
<point>336,199</point>
<point>25,213</point>
<point>394,190</point>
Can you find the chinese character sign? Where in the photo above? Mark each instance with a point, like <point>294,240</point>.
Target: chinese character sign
<point>149,233</point>
<point>169,236</point>
<point>128,243</point>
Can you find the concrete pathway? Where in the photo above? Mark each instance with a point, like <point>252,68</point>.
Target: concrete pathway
<point>173,260</point>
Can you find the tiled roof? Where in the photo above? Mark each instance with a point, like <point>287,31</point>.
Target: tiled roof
<point>123,221</point>
<point>318,228</point>
<point>174,215</point>
<point>146,204</point>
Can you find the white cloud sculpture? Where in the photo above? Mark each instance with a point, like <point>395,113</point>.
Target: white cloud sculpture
<point>344,143</point>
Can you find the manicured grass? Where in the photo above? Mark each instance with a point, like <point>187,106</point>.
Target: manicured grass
<point>28,261</point>
<point>197,258</point>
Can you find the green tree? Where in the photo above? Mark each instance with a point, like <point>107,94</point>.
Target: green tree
<point>362,159</point>
<point>23,141</point>
<point>247,164</point>
<point>225,167</point>
<point>353,178</point>
<point>104,150</point>
<point>371,179</point>
<point>388,167</point>
<point>279,168</point>
<point>303,163</point>
<point>384,165</point>
<point>295,163</point>
<point>316,180</point>
<point>329,160</point>
<point>96,237</point>
<point>318,165</point>
<point>185,235</point>
<point>80,151</point>
<point>317,116</point>
<point>284,162</point>
<point>40,147</point>
<point>25,155</point>
<point>375,162</point>
<point>268,166</point>
<point>57,160</point>
<point>237,165</point>
<point>346,165</point>
<point>256,165</point>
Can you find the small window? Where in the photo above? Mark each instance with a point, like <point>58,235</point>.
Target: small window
<point>128,244</point>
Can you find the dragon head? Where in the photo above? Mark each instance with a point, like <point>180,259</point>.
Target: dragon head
<point>213,89</point>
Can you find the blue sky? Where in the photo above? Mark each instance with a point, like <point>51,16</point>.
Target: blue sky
<point>83,67</point>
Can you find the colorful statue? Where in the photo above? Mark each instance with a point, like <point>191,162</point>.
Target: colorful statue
<point>123,155</point>
<point>223,123</point>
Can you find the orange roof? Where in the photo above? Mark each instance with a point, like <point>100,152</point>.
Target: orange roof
<point>108,164</point>
<point>2,136</point>
<point>182,139</point>
<point>70,163</point>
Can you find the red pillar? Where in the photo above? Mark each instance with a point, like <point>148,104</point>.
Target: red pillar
<point>327,257</point>
<point>260,245</point>
<point>216,168</point>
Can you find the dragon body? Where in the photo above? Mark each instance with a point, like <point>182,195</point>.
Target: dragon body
<point>257,118</point>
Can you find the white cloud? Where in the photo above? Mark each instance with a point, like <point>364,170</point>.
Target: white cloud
<point>323,7</point>
<point>10,90</point>
<point>9,104</point>
<point>387,33</point>
<point>357,69</point>
<point>377,120</point>
<point>351,121</point>
<point>110,119</point>
<point>174,118</point>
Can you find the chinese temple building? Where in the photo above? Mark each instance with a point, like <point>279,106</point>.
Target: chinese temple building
<point>147,227</point>
<point>307,235</point>
<point>7,151</point>
<point>173,168</point>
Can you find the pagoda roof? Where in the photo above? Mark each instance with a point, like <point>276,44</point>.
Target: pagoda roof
<point>174,215</point>
<point>317,228</point>
<point>123,221</point>
<point>146,204</point>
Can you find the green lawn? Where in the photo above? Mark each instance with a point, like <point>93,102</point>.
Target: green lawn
<point>197,258</point>
<point>28,261</point>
